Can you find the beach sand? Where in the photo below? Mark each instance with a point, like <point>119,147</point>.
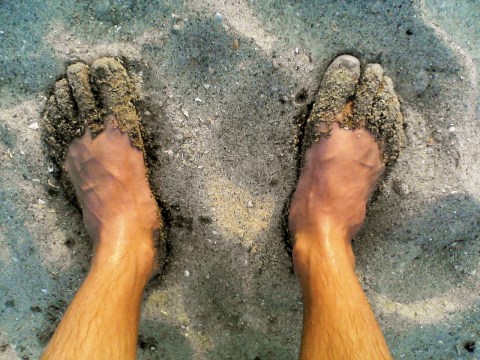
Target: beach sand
<point>225,86</point>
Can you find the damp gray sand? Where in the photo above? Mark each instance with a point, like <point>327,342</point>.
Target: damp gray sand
<point>220,124</point>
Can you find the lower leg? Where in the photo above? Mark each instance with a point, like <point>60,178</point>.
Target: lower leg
<point>338,321</point>
<point>102,320</point>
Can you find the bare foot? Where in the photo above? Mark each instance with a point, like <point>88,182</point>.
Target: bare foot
<point>94,136</point>
<point>353,132</point>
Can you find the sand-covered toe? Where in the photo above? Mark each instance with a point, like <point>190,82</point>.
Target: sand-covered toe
<point>386,122</point>
<point>367,91</point>
<point>338,86</point>
<point>116,93</point>
<point>78,76</point>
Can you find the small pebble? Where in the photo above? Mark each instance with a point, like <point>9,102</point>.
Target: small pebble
<point>218,17</point>
<point>250,204</point>
<point>44,291</point>
<point>451,128</point>
<point>50,169</point>
<point>33,126</point>
<point>176,17</point>
<point>459,349</point>
<point>152,348</point>
<point>198,100</point>
<point>186,273</point>
<point>147,113</point>
<point>176,29</point>
<point>185,112</point>
<point>41,202</point>
<point>236,44</point>
<point>206,86</point>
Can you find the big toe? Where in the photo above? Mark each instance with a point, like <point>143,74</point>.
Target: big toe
<point>338,86</point>
<point>117,93</point>
<point>79,79</point>
<point>115,88</point>
<point>336,90</point>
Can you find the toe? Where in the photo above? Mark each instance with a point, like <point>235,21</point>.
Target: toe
<point>366,92</point>
<point>116,92</point>
<point>52,119</point>
<point>337,88</point>
<point>333,100</point>
<point>67,125</point>
<point>61,122</point>
<point>386,121</point>
<point>64,99</point>
<point>79,79</point>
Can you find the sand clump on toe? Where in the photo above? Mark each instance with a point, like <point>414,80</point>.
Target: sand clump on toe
<point>366,99</point>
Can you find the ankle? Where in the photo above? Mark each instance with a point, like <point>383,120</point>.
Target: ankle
<point>326,247</point>
<point>127,252</point>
